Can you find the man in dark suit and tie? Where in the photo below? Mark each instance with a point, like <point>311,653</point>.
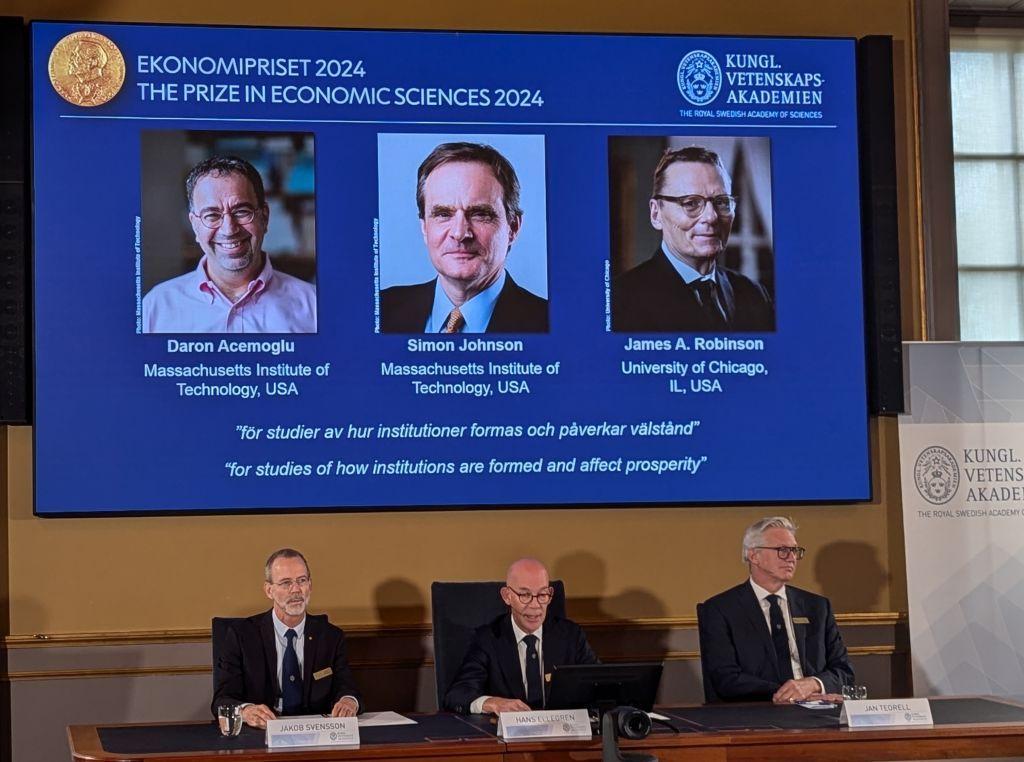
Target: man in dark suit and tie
<point>468,200</point>
<point>508,663</point>
<point>682,288</point>
<point>765,639</point>
<point>283,661</point>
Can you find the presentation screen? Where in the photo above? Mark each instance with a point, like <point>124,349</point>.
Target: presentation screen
<point>293,269</point>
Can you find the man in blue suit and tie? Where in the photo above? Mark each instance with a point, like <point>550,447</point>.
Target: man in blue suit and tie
<point>506,667</point>
<point>765,639</point>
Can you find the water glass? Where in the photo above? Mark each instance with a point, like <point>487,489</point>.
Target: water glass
<point>229,717</point>
<point>855,692</point>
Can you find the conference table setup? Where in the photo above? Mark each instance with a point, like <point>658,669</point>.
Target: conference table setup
<point>963,728</point>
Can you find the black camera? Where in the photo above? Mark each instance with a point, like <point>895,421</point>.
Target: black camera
<point>631,723</point>
<point>627,722</point>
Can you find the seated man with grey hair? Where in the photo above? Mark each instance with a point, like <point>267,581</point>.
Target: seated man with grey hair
<point>765,639</point>
<point>284,661</point>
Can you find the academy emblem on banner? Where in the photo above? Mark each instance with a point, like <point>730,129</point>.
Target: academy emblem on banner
<point>936,475</point>
<point>699,77</point>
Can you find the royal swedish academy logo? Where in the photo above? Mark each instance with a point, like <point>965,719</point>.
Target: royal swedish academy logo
<point>936,475</point>
<point>699,77</point>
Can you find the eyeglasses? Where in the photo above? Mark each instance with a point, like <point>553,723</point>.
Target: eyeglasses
<point>287,584</point>
<point>243,215</point>
<point>526,597</point>
<point>785,551</point>
<point>724,206</point>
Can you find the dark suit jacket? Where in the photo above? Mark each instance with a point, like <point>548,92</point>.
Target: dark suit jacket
<point>245,664</point>
<point>491,666</point>
<point>653,297</point>
<point>738,650</point>
<point>405,309</point>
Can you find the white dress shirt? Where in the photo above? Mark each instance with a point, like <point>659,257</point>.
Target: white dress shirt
<point>477,707</point>
<point>794,653</point>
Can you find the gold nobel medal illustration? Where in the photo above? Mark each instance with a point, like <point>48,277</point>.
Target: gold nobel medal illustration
<point>86,69</point>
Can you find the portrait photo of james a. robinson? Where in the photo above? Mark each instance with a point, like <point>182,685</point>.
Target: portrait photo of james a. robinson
<point>691,234</point>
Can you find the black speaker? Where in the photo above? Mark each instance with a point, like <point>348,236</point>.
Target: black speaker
<point>879,224</point>
<point>15,323</point>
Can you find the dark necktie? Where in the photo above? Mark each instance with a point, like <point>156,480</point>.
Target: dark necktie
<point>708,301</point>
<point>455,322</point>
<point>780,638</point>
<point>291,677</point>
<point>534,691</point>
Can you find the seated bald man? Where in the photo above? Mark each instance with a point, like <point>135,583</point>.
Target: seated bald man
<point>509,660</point>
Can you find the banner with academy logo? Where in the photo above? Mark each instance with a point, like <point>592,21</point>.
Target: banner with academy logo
<point>962,456</point>
<point>748,85</point>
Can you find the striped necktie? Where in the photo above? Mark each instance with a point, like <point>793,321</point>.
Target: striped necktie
<point>455,322</point>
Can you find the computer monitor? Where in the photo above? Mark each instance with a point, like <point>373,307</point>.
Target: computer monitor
<point>605,686</point>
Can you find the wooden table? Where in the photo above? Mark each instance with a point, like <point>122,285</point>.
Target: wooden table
<point>965,727</point>
<point>752,733</point>
<point>435,737</point>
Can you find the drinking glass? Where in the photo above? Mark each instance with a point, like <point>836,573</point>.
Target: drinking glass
<point>229,717</point>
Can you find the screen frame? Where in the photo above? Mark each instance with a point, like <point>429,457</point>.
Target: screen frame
<point>871,464</point>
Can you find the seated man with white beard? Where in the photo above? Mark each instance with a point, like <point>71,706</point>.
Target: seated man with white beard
<point>284,661</point>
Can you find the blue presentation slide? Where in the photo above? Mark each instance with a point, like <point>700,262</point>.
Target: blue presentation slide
<point>288,269</point>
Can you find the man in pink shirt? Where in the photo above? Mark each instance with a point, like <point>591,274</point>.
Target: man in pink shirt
<point>234,289</point>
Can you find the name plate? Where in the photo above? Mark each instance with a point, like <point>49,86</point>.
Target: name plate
<point>313,730</point>
<point>546,723</point>
<point>886,713</point>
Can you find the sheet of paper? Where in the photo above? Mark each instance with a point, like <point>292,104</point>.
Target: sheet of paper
<point>379,719</point>
<point>816,704</point>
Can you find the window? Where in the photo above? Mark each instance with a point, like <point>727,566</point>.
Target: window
<point>987,87</point>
